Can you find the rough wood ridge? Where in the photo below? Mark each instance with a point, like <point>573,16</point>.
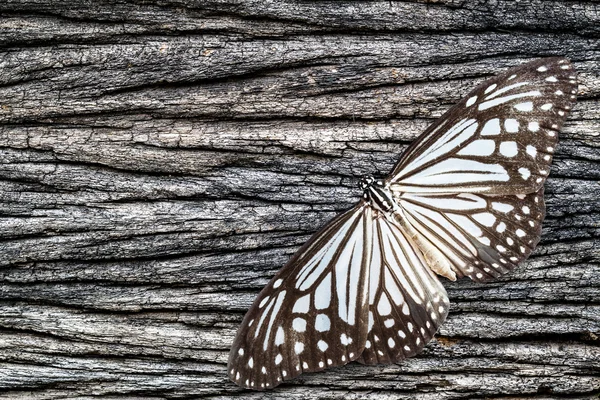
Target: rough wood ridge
<point>159,161</point>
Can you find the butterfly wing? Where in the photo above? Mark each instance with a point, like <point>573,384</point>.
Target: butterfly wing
<point>407,302</point>
<point>313,313</point>
<point>498,140</point>
<point>475,235</point>
<point>471,187</point>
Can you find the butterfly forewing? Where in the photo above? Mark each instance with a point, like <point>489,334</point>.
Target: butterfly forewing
<point>313,313</point>
<point>407,302</point>
<point>498,140</point>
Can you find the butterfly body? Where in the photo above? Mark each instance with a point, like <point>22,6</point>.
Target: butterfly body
<point>464,200</point>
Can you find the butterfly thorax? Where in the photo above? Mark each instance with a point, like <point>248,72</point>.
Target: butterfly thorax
<point>377,194</point>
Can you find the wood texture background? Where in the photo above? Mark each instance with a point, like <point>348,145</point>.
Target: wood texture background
<point>159,161</point>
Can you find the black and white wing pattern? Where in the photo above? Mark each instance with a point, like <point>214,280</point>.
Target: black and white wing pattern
<point>465,199</point>
<point>313,313</point>
<point>498,140</point>
<point>407,302</point>
<point>471,187</point>
<point>475,235</point>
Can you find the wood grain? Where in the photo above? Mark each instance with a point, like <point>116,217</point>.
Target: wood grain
<point>160,161</point>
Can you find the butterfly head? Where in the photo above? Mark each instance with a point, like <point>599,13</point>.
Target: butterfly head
<point>376,192</point>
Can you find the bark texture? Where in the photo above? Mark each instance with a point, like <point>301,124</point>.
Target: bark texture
<point>161,160</point>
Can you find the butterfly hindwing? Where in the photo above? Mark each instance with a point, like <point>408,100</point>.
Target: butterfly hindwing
<point>313,313</point>
<point>479,236</point>
<point>498,140</point>
<point>407,302</point>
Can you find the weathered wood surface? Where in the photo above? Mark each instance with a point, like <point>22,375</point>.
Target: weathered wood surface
<point>159,161</point>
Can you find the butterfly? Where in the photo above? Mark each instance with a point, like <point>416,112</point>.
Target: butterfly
<point>465,199</point>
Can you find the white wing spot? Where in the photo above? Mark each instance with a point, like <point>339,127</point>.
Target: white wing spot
<point>525,173</point>
<point>345,340</point>
<point>525,209</point>
<point>368,344</point>
<point>513,76</point>
<point>405,309</point>
<point>250,323</point>
<point>501,248</point>
<point>264,370</point>
<point>480,148</point>
<point>501,227</point>
<point>490,88</point>
<point>302,304</point>
<point>304,365</point>
<point>322,323</point>
<point>380,352</point>
<point>384,307</point>
<point>402,334</point>
<point>532,151</point>
<point>418,341</point>
<point>278,359</point>
<point>533,126</point>
<point>550,149</point>
<point>241,352</point>
<point>559,93</point>
<point>471,101</point>
<point>522,249</point>
<point>428,324</point>
<point>520,232</point>
<point>546,106</point>
<point>525,106</point>
<point>409,326</point>
<point>329,361</point>
<point>343,358</point>
<point>406,348</point>
<point>441,309</point>
<point>510,241</point>
<point>322,345</point>
<point>511,125</point>
<point>492,127</point>
<point>479,275</point>
<point>508,149</point>
<point>391,343</point>
<point>547,157</point>
<point>321,364</point>
<point>502,207</point>
<point>561,112</point>
<point>542,68</point>
<point>299,347</point>
<point>514,259</point>
<point>389,323</point>
<point>551,133</point>
<point>277,283</point>
<point>485,240</point>
<point>299,324</point>
<point>551,79</point>
<point>565,67</point>
<point>279,337</point>
<point>263,302</point>
<point>485,219</point>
